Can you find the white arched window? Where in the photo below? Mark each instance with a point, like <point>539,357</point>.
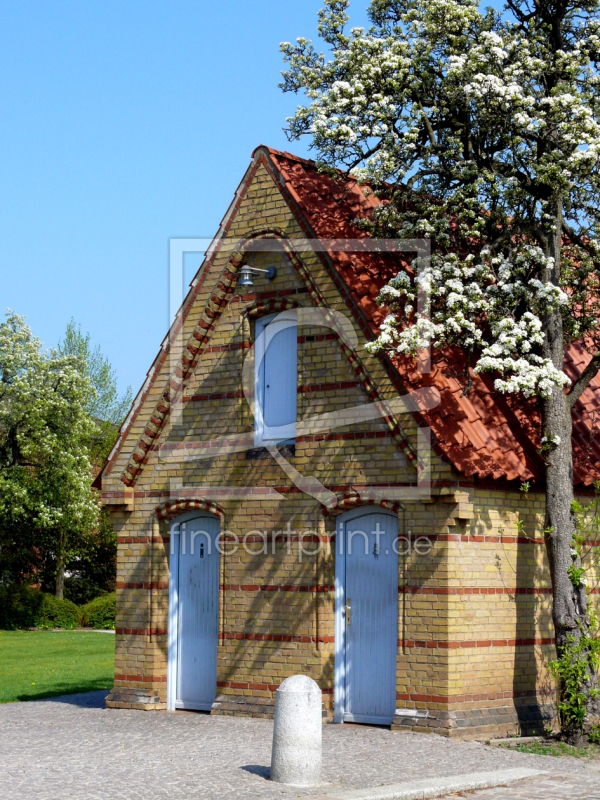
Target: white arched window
<point>276,378</point>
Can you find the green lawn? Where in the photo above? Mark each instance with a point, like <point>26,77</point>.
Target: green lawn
<point>554,748</point>
<point>35,664</point>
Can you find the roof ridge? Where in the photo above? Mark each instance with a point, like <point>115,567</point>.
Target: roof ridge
<point>300,160</point>
<point>285,154</point>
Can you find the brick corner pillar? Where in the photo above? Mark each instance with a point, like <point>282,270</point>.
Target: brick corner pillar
<point>142,618</point>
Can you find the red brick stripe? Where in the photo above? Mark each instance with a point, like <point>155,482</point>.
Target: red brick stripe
<point>478,539</point>
<point>276,637</point>
<point>125,495</point>
<point>441,590</point>
<point>473,590</point>
<point>225,348</point>
<point>319,337</point>
<point>471,698</point>
<point>247,298</point>
<point>235,587</point>
<point>149,586</point>
<point>141,631</point>
<point>200,398</point>
<point>326,387</point>
<point>250,637</point>
<point>142,539</point>
<point>459,645</point>
<point>282,536</point>
<point>451,537</point>
<point>338,437</point>
<point>244,439</point>
<point>264,687</point>
<point>325,588</point>
<point>140,678</point>
<point>403,696</point>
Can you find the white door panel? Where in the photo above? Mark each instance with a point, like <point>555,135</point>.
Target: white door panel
<point>366,616</point>
<point>194,613</point>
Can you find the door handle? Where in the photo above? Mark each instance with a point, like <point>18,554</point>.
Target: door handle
<point>348,610</point>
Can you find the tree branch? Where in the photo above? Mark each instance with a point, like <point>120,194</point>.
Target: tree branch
<point>428,127</point>
<point>509,234</point>
<point>583,380</point>
<point>418,175</point>
<point>363,157</point>
<point>576,239</point>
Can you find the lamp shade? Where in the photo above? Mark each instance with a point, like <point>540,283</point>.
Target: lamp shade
<point>245,276</point>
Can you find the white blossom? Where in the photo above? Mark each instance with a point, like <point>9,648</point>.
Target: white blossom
<point>382,106</point>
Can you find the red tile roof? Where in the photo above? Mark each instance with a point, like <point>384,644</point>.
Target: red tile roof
<point>484,434</point>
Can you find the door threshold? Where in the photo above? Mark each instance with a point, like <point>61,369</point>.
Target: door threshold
<point>190,705</point>
<point>381,721</point>
<point>386,726</point>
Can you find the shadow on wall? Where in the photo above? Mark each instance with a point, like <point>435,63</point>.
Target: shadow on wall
<point>532,684</point>
<point>520,570</point>
<point>271,609</point>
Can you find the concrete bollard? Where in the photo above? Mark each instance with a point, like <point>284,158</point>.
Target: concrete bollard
<point>297,734</point>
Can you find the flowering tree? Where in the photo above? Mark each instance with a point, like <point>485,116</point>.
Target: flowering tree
<point>481,131</point>
<point>46,503</point>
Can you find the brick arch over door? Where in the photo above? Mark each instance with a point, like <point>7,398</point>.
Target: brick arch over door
<point>174,508</point>
<point>263,307</point>
<point>202,334</point>
<point>354,499</point>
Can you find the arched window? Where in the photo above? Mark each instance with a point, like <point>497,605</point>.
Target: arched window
<point>276,378</point>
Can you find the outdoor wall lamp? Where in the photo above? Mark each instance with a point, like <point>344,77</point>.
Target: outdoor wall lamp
<point>246,273</point>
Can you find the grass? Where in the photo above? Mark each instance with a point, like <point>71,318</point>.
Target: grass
<point>36,664</point>
<point>555,749</point>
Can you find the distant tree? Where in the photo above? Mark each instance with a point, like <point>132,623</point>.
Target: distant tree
<point>105,406</point>
<point>91,568</point>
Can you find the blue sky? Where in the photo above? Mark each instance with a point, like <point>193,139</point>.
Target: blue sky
<point>123,124</point>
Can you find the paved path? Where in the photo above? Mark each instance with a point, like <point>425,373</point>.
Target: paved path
<point>73,748</point>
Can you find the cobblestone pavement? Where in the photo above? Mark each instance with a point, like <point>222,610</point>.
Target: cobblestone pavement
<point>72,748</point>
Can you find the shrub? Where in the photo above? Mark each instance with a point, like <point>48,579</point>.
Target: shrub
<point>24,607</point>
<point>94,571</point>
<point>100,613</point>
<point>19,607</point>
<point>55,613</point>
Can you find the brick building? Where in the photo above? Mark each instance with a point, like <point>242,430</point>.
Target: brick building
<point>241,480</point>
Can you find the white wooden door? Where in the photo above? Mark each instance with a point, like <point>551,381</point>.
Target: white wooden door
<point>366,616</point>
<point>193,613</point>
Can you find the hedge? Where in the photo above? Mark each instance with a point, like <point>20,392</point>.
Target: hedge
<point>100,613</point>
<point>24,607</point>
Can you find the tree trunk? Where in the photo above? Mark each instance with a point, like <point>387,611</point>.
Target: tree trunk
<point>570,606</point>
<point>61,560</point>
